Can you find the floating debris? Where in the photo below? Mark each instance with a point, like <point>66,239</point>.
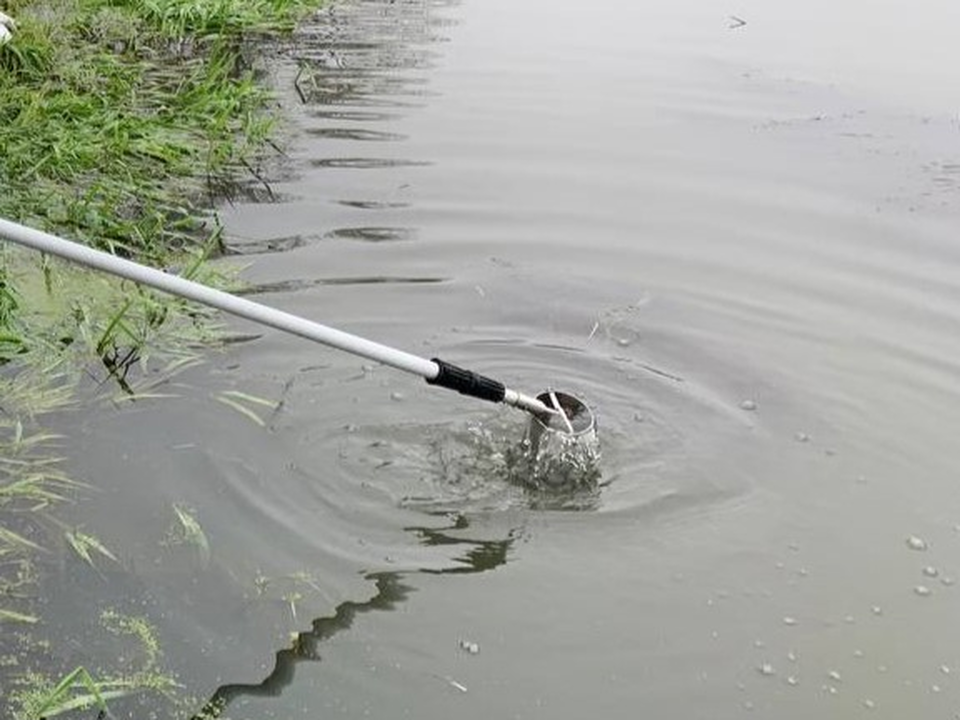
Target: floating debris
<point>916,543</point>
<point>452,683</point>
<point>469,647</point>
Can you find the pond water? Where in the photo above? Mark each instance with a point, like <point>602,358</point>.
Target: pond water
<point>731,230</point>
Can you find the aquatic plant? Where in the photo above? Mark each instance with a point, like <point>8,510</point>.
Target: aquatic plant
<point>38,696</point>
<point>122,122</point>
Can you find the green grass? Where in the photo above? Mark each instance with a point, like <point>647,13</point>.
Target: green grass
<point>122,124</point>
<point>121,120</point>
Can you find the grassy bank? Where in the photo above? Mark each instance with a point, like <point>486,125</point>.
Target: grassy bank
<point>122,123</point>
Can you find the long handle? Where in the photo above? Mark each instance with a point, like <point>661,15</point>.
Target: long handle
<point>435,371</point>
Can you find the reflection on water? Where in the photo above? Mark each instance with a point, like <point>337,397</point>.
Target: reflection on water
<point>482,555</point>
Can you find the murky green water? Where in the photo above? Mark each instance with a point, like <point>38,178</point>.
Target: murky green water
<point>736,243</point>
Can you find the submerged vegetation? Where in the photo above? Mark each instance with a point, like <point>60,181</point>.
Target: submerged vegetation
<point>122,123</point>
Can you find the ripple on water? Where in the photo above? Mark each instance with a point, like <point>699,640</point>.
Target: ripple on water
<point>679,460</point>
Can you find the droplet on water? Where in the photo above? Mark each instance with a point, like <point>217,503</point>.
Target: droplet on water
<point>916,543</point>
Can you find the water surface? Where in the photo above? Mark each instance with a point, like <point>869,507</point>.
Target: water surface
<point>734,241</point>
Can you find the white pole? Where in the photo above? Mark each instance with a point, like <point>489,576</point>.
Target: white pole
<point>217,298</point>
<point>435,372</point>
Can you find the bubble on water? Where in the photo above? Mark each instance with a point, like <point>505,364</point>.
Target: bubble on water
<point>749,405</point>
<point>916,543</point>
<point>931,571</point>
<point>922,590</point>
<point>766,669</point>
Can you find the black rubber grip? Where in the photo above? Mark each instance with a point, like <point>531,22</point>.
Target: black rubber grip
<point>466,382</point>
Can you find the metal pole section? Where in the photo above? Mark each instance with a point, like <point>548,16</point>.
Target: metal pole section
<point>232,304</point>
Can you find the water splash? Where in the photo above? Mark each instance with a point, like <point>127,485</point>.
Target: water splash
<point>493,465</point>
